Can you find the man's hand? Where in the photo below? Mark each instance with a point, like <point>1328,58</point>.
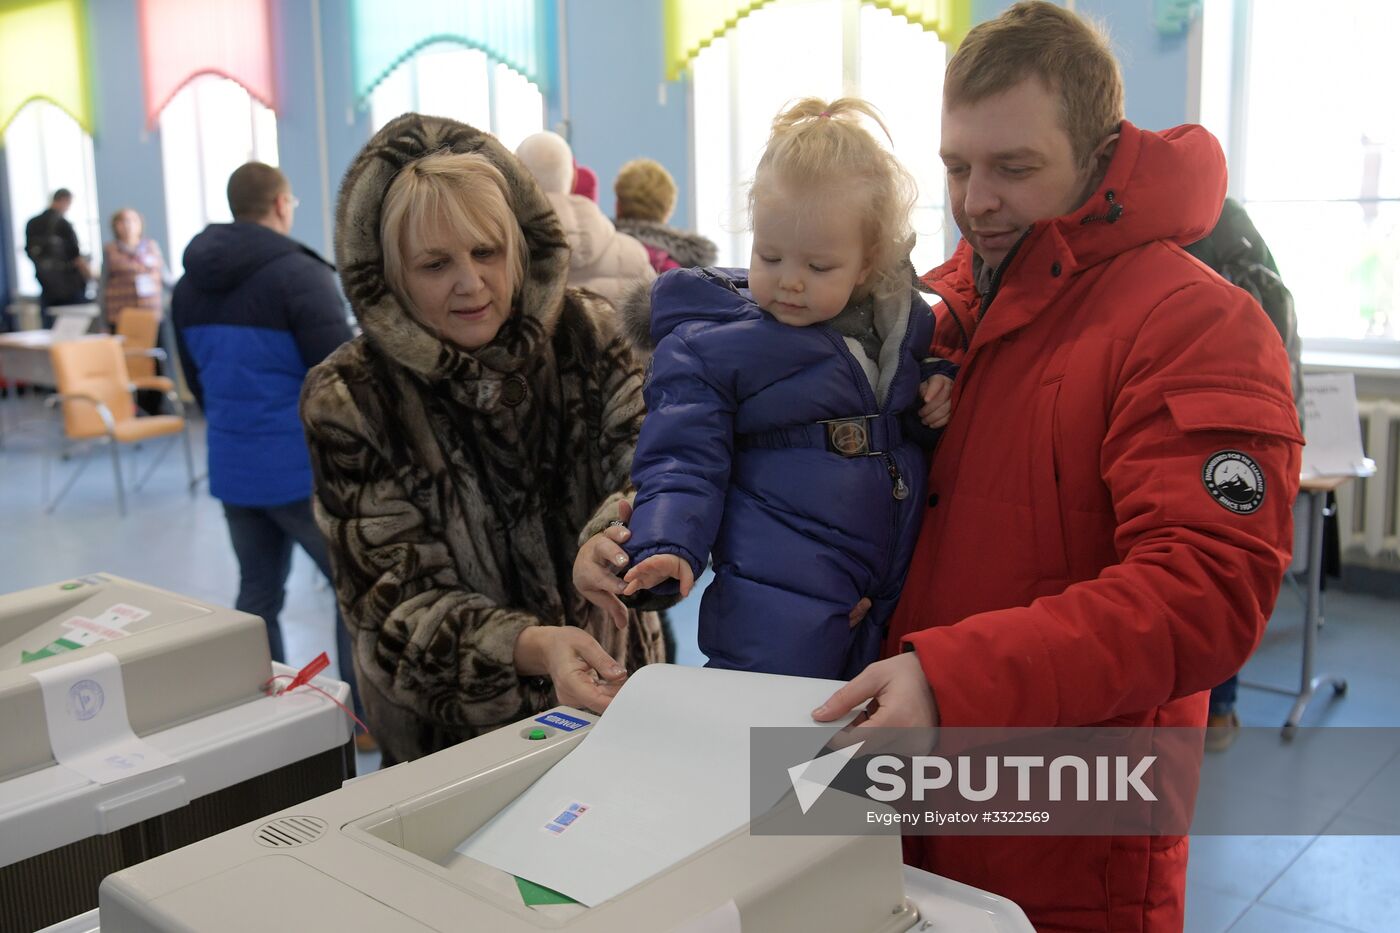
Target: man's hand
<point>936,393</point>
<point>656,568</point>
<point>899,693</point>
<point>584,675</point>
<point>598,565</point>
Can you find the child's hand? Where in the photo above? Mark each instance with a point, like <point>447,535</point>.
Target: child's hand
<point>655,569</point>
<point>937,395</point>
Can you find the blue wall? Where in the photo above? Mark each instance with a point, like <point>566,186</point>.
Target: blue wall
<point>1155,67</point>
<point>616,73</point>
<point>316,140</point>
<point>127,158</point>
<point>618,106</point>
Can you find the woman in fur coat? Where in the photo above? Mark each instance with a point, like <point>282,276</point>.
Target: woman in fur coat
<point>464,446</point>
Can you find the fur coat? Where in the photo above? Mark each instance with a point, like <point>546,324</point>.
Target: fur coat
<point>455,487</point>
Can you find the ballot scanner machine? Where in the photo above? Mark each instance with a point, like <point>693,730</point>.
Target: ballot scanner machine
<point>191,678</point>
<point>381,854</point>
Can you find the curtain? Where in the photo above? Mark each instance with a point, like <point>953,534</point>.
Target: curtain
<point>691,25</point>
<point>43,54</point>
<point>181,39</point>
<point>520,34</point>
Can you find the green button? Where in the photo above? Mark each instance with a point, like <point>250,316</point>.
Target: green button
<point>70,586</point>
<point>537,734</point>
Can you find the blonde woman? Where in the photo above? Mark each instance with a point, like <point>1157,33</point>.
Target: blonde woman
<point>480,428</point>
<point>133,269</point>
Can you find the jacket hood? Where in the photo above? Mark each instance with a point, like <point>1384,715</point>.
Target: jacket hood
<point>223,256</point>
<point>1166,186</point>
<point>1159,186</point>
<point>386,322</point>
<point>688,249</point>
<point>684,296</point>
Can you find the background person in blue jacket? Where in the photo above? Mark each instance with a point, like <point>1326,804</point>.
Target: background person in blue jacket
<point>253,313</point>
<point>774,432</point>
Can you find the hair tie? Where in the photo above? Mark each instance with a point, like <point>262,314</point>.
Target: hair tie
<point>824,115</point>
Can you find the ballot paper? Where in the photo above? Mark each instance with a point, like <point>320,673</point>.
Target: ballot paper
<point>663,774</point>
<point>1333,427</point>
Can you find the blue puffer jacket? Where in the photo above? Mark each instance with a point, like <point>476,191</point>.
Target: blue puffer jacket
<point>253,313</point>
<point>734,461</point>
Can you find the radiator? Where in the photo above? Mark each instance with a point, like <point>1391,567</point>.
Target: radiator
<point>1368,510</point>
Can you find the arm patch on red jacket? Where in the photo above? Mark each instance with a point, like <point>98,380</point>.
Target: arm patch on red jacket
<point>1234,480</point>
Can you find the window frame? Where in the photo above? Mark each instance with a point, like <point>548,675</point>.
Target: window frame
<point>88,226</point>
<point>409,68</point>
<point>262,147</point>
<point>851,13</point>
<point>1375,354</point>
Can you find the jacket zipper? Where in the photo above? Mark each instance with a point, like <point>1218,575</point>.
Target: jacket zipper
<point>899,489</point>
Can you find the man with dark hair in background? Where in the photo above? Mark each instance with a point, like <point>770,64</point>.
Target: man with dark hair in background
<point>253,313</point>
<point>52,245</point>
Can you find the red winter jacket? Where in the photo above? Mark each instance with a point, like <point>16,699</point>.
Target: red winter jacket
<point>1098,545</point>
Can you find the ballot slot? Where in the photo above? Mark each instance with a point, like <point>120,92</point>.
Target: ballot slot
<point>389,842</point>
<point>427,828</point>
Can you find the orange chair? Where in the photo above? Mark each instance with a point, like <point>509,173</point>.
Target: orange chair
<point>139,329</point>
<point>95,391</point>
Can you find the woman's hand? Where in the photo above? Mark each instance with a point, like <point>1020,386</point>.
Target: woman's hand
<point>584,675</point>
<point>598,565</point>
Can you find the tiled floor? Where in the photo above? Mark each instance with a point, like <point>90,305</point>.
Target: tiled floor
<point>1244,884</point>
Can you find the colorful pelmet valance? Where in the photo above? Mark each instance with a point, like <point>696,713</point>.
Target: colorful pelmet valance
<point>43,55</point>
<point>691,25</point>
<point>181,39</point>
<point>518,33</point>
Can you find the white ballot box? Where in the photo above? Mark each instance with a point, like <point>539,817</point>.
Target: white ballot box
<point>385,852</point>
<point>134,721</point>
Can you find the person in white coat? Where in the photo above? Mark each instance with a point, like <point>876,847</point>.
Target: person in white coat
<point>602,259</point>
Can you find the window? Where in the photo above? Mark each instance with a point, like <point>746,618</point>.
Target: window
<point>813,48</point>
<point>1318,161</point>
<point>46,149</point>
<point>446,79</point>
<point>207,130</point>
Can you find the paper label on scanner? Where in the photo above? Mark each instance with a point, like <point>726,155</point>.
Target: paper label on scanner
<point>563,722</point>
<point>89,732</point>
<point>83,631</point>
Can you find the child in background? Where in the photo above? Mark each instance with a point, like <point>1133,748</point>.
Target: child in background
<point>775,438</point>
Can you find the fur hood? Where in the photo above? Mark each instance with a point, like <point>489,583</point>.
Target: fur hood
<point>688,249</point>
<point>388,325</point>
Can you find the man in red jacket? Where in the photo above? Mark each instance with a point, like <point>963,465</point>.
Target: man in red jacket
<point>1109,507</point>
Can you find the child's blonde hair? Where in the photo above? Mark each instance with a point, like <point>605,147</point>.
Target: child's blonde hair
<point>462,193</point>
<point>822,147</point>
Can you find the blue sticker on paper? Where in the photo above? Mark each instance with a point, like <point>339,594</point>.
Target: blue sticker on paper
<point>562,722</point>
<point>566,818</point>
<point>85,699</point>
